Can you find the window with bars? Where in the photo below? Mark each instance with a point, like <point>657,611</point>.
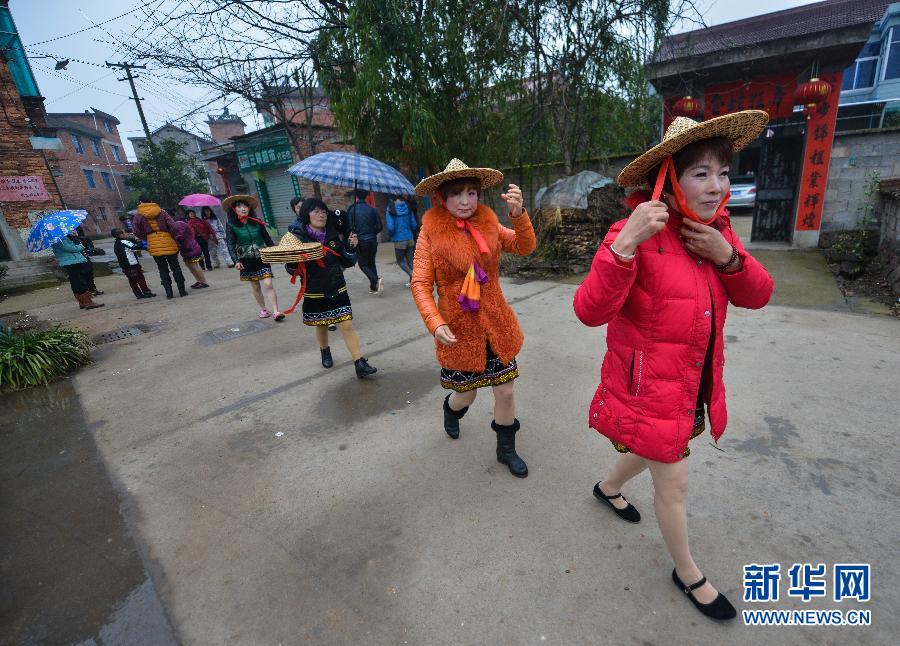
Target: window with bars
<point>89,178</point>
<point>76,143</point>
<point>96,146</point>
<point>107,126</point>
<point>107,180</point>
<point>115,153</point>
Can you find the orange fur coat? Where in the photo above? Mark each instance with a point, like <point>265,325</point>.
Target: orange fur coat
<point>443,256</point>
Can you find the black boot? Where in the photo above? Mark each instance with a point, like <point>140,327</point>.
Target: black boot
<point>363,369</point>
<point>149,294</point>
<point>181,290</point>
<point>506,448</point>
<point>327,361</point>
<point>452,417</point>
<point>168,290</point>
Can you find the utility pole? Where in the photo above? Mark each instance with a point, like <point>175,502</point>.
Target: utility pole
<point>134,96</point>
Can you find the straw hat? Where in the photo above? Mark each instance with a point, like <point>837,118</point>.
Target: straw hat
<point>456,169</point>
<point>739,127</point>
<point>249,199</point>
<point>292,249</point>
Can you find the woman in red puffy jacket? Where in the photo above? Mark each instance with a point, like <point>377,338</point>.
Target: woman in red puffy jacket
<point>662,280</point>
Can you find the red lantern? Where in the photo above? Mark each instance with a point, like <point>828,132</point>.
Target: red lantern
<point>811,92</point>
<point>687,107</point>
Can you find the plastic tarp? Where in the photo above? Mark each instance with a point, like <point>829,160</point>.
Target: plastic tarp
<point>570,192</point>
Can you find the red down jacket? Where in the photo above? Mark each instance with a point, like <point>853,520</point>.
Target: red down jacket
<point>658,308</point>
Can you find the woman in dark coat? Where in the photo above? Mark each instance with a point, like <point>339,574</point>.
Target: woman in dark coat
<point>325,299</point>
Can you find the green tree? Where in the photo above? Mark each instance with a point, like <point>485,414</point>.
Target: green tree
<point>165,174</point>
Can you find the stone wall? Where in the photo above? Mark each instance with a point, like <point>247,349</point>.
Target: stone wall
<point>889,243</point>
<point>856,156</point>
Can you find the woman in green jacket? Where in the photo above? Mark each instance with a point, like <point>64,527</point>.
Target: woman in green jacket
<point>69,253</point>
<point>245,235</point>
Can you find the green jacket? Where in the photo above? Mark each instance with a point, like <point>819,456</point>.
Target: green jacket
<point>68,252</point>
<point>245,240</point>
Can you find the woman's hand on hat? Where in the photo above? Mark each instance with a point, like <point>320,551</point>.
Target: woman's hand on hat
<point>513,199</point>
<point>706,242</point>
<point>444,335</point>
<point>648,219</point>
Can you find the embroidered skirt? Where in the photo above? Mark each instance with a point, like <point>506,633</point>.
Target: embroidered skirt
<point>255,270</point>
<point>495,373</point>
<point>193,261</point>
<point>319,309</point>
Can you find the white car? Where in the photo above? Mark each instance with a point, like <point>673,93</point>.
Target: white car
<point>743,193</point>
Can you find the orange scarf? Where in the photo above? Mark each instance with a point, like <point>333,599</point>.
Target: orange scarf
<point>469,298</point>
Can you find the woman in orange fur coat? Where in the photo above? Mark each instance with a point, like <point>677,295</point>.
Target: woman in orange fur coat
<point>476,333</point>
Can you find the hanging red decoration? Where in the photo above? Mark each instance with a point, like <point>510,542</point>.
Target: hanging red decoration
<point>811,92</point>
<point>687,107</point>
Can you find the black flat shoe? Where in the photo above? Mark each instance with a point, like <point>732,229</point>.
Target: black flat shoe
<point>719,608</point>
<point>327,361</point>
<point>629,513</point>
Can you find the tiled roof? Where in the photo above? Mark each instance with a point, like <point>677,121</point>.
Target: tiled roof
<point>789,23</point>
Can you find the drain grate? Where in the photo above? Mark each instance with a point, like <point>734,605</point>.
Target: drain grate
<point>230,332</point>
<point>118,335</point>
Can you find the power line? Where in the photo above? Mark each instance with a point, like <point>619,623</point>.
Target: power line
<point>94,26</point>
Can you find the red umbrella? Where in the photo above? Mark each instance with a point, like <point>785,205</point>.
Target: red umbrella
<point>199,199</point>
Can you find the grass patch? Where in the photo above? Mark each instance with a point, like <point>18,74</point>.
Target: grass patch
<point>32,358</point>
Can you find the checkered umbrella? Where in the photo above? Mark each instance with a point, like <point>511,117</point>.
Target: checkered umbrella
<point>52,227</point>
<point>353,170</point>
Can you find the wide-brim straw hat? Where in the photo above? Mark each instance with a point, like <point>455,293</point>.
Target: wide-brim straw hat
<point>249,199</point>
<point>457,169</point>
<point>739,127</point>
<point>292,249</point>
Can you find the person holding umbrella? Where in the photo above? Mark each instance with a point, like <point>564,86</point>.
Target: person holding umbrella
<point>245,235</point>
<point>363,174</point>
<point>204,235</point>
<point>58,232</point>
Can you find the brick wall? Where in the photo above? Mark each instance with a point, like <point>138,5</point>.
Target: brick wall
<point>222,131</point>
<point>103,204</point>
<point>854,156</point>
<point>18,158</point>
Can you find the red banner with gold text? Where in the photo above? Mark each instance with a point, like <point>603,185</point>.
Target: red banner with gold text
<point>819,137</point>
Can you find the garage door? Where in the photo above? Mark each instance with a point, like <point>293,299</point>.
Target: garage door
<point>281,188</point>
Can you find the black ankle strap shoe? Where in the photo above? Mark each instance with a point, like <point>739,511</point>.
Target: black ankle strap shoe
<point>719,608</point>
<point>629,513</point>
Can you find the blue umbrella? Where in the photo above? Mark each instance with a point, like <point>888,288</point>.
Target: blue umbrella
<point>353,170</point>
<point>52,227</point>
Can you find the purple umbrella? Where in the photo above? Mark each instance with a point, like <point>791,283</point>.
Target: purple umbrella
<point>199,199</point>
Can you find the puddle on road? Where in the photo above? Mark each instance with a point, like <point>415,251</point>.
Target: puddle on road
<point>71,571</point>
<point>389,390</point>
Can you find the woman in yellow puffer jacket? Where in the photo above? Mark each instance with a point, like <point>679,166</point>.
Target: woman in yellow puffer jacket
<point>158,228</point>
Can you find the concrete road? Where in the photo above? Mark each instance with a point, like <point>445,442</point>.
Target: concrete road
<point>275,502</point>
